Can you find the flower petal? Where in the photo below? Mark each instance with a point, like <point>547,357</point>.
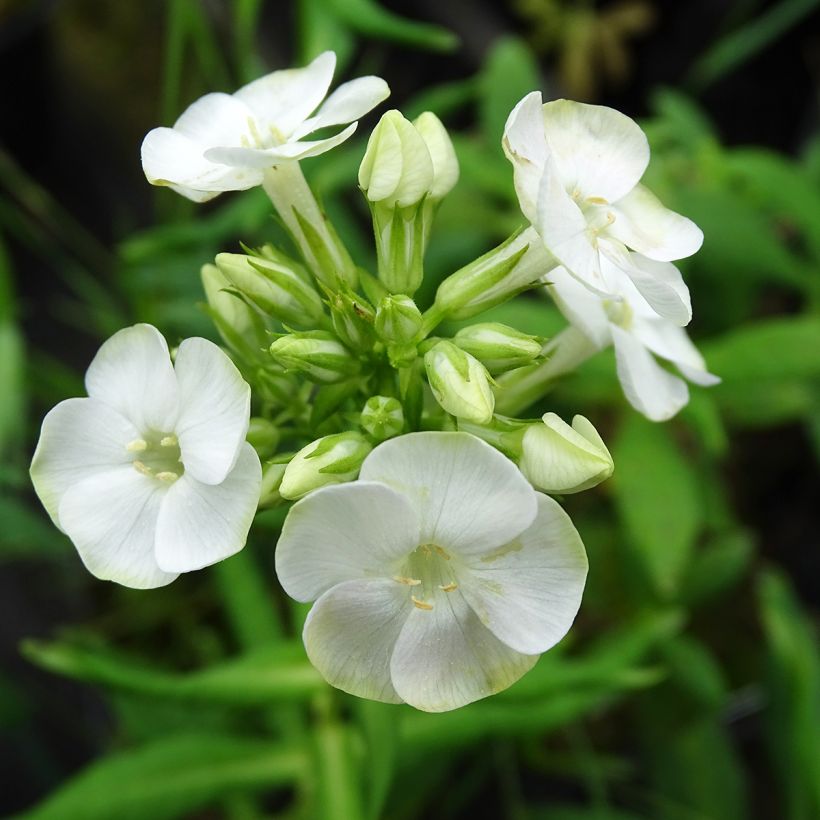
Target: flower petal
<point>111,517</point>
<point>445,657</point>
<point>79,437</point>
<point>599,152</point>
<point>673,344</point>
<point>342,533</point>
<point>469,498</point>
<point>200,524</point>
<point>524,138</point>
<point>528,591</point>
<point>215,119</point>
<point>171,159</point>
<point>347,103</point>
<point>580,305</point>
<point>214,410</point>
<point>350,633</point>
<point>261,158</point>
<point>645,225</point>
<point>283,99</point>
<point>132,373</point>
<point>649,388</point>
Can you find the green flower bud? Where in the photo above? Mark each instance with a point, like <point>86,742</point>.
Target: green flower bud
<point>238,325</point>
<point>498,347</point>
<point>382,417</point>
<point>459,382</point>
<point>352,319</point>
<point>398,320</point>
<point>442,154</point>
<point>262,435</point>
<point>328,460</point>
<point>279,288</point>
<point>317,354</point>
<point>515,265</point>
<point>272,474</point>
<point>557,458</point>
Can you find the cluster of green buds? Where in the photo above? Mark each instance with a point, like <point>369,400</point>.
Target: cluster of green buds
<point>343,362</point>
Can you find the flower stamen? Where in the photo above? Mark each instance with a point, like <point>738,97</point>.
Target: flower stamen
<point>410,582</point>
<point>420,604</point>
<point>167,476</point>
<point>169,441</point>
<point>138,445</point>
<point>448,587</point>
<point>142,468</point>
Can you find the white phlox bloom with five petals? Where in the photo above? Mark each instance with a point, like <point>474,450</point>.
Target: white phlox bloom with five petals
<point>224,142</point>
<point>151,475</point>
<point>439,576</point>
<point>577,171</point>
<point>628,322</point>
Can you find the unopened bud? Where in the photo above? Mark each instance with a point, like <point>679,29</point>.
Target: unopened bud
<point>328,460</point>
<point>498,347</point>
<point>557,458</point>
<point>317,354</point>
<point>442,154</point>
<point>514,266</point>
<point>382,417</point>
<point>352,319</point>
<point>398,320</point>
<point>280,289</point>
<point>459,382</point>
<point>272,474</point>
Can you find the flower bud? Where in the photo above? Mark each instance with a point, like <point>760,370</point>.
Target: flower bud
<point>398,320</point>
<point>514,266</point>
<point>328,460</point>
<point>272,474</point>
<point>442,154</point>
<point>262,435</point>
<point>240,328</point>
<point>352,319</point>
<point>557,458</point>
<point>382,417</point>
<point>277,287</point>
<point>316,353</point>
<point>459,382</point>
<point>498,347</point>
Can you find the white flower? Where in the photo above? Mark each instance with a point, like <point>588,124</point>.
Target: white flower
<point>577,173</point>
<point>439,576</point>
<point>627,321</point>
<point>224,142</point>
<point>151,475</point>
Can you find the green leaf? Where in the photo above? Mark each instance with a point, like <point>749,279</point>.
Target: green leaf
<point>693,668</point>
<point>656,491</point>
<point>172,778</point>
<point>509,73</point>
<point>717,567</point>
<point>372,20</point>
<point>794,696</point>
<point>380,730</point>
<point>279,672</point>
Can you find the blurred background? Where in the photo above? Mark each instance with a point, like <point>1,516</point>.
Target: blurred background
<point>689,688</point>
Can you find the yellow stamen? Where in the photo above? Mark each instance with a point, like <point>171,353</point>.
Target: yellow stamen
<point>420,604</point>
<point>597,200</point>
<point>448,587</point>
<point>168,441</point>
<point>137,445</point>
<point>411,582</point>
<point>167,476</point>
<point>141,468</point>
<point>441,552</point>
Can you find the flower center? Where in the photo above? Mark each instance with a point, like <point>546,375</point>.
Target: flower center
<point>619,312</point>
<point>157,455</point>
<point>428,572</point>
<point>259,137</point>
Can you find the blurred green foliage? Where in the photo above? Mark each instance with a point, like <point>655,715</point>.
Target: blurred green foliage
<point>685,634</point>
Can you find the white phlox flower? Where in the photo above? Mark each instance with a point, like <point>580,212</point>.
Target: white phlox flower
<point>577,171</point>
<point>151,475</point>
<point>627,321</point>
<point>439,576</point>
<point>224,142</point>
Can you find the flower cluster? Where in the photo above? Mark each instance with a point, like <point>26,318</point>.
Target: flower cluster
<point>421,528</point>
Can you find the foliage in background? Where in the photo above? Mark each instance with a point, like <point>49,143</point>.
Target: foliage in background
<point>686,637</point>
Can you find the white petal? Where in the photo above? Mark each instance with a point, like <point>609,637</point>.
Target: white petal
<point>79,437</point>
<point>649,388</point>
<point>524,137</point>
<point>214,410</point>
<point>215,119</point>
<point>529,591</point>
<point>347,103</point>
<point>659,283</point>
<point>600,152</point>
<point>171,159</point>
<point>350,633</point>
<point>132,373</point>
<point>342,533</point>
<point>111,517</point>
<point>673,344</point>
<point>445,657</point>
<point>580,305</point>
<point>261,158</point>
<point>646,226</point>
<point>200,524</point>
<point>284,99</point>
<point>565,232</point>
<point>469,498</point>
